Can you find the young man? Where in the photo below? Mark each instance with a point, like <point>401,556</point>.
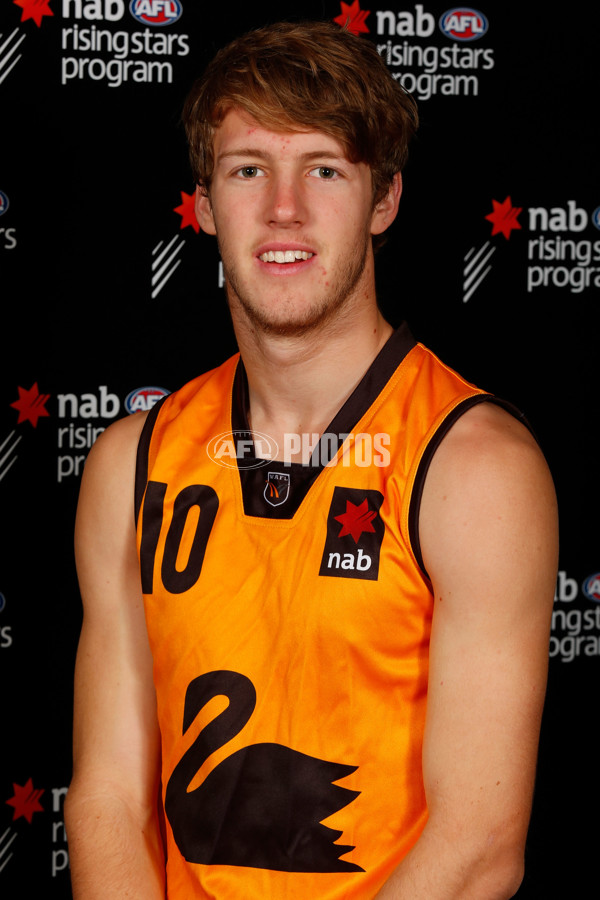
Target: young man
<point>333,669</point>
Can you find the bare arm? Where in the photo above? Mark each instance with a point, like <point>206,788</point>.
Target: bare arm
<point>111,809</point>
<point>489,538</point>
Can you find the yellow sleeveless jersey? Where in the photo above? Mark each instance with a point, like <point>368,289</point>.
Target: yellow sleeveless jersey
<point>289,621</point>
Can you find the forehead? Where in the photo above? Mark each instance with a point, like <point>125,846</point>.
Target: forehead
<point>240,133</point>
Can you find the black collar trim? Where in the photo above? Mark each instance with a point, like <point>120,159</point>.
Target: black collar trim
<point>275,490</point>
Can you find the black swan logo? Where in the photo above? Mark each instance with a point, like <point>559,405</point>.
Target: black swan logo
<point>263,805</point>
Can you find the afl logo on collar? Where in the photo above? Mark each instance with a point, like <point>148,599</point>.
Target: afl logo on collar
<point>277,488</point>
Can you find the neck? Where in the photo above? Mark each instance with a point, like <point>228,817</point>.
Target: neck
<point>298,383</point>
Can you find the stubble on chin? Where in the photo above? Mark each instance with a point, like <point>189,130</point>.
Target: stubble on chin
<point>284,321</point>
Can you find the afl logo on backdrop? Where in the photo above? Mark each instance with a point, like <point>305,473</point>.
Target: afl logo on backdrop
<point>3,202</point>
<point>156,12</point>
<point>591,587</point>
<point>143,399</point>
<point>463,24</point>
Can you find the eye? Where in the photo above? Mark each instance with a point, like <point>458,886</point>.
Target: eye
<point>325,172</point>
<point>250,172</point>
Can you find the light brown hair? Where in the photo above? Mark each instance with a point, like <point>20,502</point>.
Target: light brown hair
<point>311,76</point>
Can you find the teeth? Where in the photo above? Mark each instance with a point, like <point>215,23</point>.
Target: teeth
<point>284,256</point>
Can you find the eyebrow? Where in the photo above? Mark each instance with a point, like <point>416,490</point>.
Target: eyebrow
<point>258,153</point>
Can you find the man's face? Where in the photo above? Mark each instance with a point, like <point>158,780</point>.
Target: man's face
<point>293,219</point>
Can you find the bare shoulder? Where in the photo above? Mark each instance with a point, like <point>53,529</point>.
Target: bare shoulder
<point>117,445</point>
<point>109,470</point>
<point>490,443</point>
<point>105,521</point>
<point>487,426</point>
<point>488,493</point>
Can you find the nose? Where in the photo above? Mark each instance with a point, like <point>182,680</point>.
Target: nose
<point>286,205</point>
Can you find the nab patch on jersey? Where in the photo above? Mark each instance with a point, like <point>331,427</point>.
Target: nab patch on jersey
<point>354,534</point>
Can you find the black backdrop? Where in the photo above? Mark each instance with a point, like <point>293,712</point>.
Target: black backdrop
<point>110,295</point>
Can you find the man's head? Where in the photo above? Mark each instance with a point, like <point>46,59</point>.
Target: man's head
<point>313,76</point>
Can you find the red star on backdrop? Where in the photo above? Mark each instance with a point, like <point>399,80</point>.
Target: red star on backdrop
<point>504,217</point>
<point>356,519</point>
<point>31,405</point>
<point>34,9</point>
<point>353,17</point>
<point>187,211</point>
<point>26,801</point>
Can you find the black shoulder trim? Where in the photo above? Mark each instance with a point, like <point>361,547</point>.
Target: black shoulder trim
<point>141,466</point>
<point>417,492</point>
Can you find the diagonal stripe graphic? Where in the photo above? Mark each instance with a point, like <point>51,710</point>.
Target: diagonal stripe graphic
<point>3,459</point>
<point>473,275</point>
<point>7,841</point>
<point>160,266</point>
<point>5,59</point>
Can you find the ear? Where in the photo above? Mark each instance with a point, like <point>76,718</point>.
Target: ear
<point>385,211</point>
<point>203,210</point>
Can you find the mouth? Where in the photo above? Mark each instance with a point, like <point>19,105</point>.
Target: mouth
<point>284,256</point>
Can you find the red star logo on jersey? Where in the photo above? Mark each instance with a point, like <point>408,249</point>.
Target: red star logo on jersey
<point>31,405</point>
<point>504,217</point>
<point>353,18</point>
<point>356,519</point>
<point>187,211</point>
<point>26,801</point>
<point>34,9</point>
